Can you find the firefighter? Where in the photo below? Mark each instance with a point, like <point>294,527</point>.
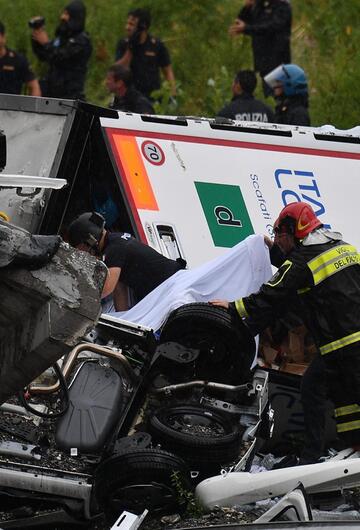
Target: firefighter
<point>322,272</point>
<point>290,88</point>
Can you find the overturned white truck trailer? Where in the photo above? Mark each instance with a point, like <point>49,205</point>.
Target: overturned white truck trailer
<point>189,187</point>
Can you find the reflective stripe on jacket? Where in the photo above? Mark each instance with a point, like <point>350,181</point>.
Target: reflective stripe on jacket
<point>326,279</point>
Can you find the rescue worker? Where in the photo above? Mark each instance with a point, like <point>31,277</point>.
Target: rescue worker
<point>119,82</point>
<point>144,54</point>
<point>290,88</point>
<point>15,70</point>
<point>268,22</point>
<point>322,273</point>
<point>243,105</point>
<point>130,263</point>
<point>67,54</point>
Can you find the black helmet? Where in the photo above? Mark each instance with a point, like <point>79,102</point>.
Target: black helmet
<point>87,228</point>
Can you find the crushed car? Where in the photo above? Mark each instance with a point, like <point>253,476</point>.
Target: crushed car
<point>127,420</point>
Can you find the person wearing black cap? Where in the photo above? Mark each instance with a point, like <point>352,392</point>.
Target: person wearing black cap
<point>15,70</point>
<point>120,83</point>
<point>243,105</point>
<point>144,54</point>
<point>67,54</point>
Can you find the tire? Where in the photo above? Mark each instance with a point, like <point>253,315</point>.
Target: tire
<point>226,345</point>
<point>136,480</point>
<point>201,436</point>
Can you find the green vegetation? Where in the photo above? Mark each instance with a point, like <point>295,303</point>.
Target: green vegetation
<point>186,498</point>
<point>325,42</point>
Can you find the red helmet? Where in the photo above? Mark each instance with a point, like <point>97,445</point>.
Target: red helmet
<point>305,220</point>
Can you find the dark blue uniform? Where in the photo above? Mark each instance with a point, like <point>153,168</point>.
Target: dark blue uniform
<point>246,108</point>
<point>268,23</point>
<point>292,110</point>
<point>147,60</point>
<point>14,72</point>
<point>133,101</point>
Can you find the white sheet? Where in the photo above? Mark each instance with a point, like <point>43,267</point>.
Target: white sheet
<point>236,273</point>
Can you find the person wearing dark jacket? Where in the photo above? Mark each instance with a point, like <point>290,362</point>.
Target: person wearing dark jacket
<point>323,273</point>
<point>15,71</point>
<point>243,105</point>
<point>268,23</point>
<point>144,54</point>
<point>130,262</point>
<point>290,88</point>
<point>67,54</point>
<point>119,82</point>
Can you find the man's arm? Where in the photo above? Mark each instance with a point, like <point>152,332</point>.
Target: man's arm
<point>111,281</point>
<point>28,77</point>
<point>121,297</point>
<point>33,88</point>
<point>274,297</point>
<point>244,17</point>
<point>124,51</point>
<point>41,45</point>
<point>168,73</point>
<point>126,59</point>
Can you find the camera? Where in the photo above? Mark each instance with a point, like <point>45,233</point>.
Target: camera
<point>36,22</point>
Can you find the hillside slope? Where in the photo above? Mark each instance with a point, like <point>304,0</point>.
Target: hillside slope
<point>325,42</point>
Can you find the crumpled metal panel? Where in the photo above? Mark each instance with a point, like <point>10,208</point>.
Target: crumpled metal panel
<point>33,140</point>
<point>44,313</point>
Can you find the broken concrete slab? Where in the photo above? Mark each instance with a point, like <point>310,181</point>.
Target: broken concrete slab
<point>44,313</point>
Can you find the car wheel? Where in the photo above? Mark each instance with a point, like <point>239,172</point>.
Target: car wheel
<point>199,435</point>
<point>136,480</point>
<point>226,347</point>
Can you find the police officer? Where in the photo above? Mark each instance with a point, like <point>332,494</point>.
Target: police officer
<point>67,54</point>
<point>130,263</point>
<point>144,54</point>
<point>268,22</point>
<point>15,70</point>
<point>323,272</point>
<point>243,105</point>
<point>290,89</point>
<point>120,83</point>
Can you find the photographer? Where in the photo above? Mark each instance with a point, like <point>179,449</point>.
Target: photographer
<point>67,54</point>
<point>144,54</point>
<point>15,70</point>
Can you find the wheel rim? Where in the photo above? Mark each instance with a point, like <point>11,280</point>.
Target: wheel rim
<point>195,424</point>
<point>153,496</point>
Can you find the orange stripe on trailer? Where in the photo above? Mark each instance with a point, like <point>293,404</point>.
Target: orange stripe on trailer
<point>135,172</point>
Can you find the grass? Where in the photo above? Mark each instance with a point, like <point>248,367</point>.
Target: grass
<point>325,42</point>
